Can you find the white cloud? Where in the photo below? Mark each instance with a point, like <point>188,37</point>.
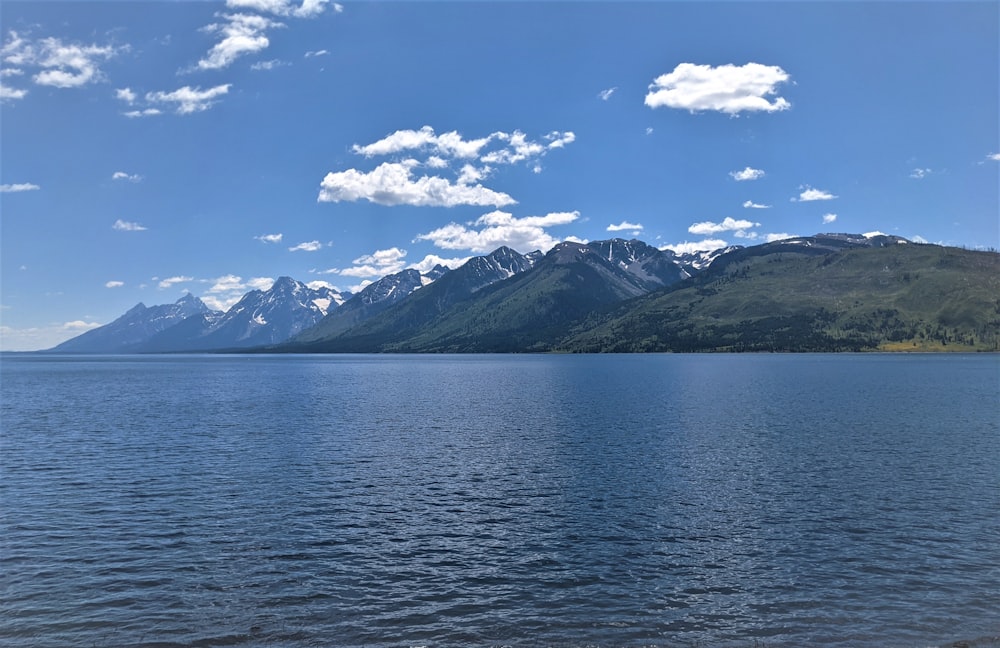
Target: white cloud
<point>559,139</point>
<point>606,94</point>
<point>171,281</point>
<point>319,283</point>
<point>377,264</point>
<point>308,246</point>
<point>498,228</point>
<point>126,95</point>
<point>727,225</point>
<point>747,174</point>
<point>79,325</point>
<point>688,247</point>
<point>829,218</point>
<point>873,234</point>
<point>993,156</point>
<point>228,289</point>
<point>268,65</point>
<point>308,8</point>
<point>919,239</point>
<point>431,260</point>
<point>749,204</point>
<point>187,99</point>
<point>449,145</point>
<point>809,194</point>
<point>392,183</point>
<point>241,34</point>
<point>649,130</point>
<point>131,177</point>
<point>10,94</point>
<point>126,226</point>
<point>21,186</point>
<point>729,89</point>
<point>269,238</point>
<point>322,52</point>
<point>114,284</point>
<point>918,174</point>
<point>625,226</point>
<point>11,72</point>
<point>63,65</point>
<point>148,112</point>
<point>779,237</point>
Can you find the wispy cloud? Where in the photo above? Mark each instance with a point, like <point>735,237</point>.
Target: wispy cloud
<point>269,238</point>
<point>747,174</point>
<point>606,94</point>
<point>315,53</point>
<point>268,65</point>
<point>11,94</point>
<point>727,225</point>
<point>228,289</point>
<point>173,281</point>
<point>308,246</point>
<point>189,100</point>
<point>625,226</point>
<point>919,174</point>
<point>749,204</point>
<point>21,186</point>
<point>126,226</point>
<point>809,194</point>
<point>131,177</point>
<point>60,64</point>
<point>308,8</point>
<point>114,284</point>
<point>829,218</point>
<point>241,34</point>
<point>993,156</point>
<point>729,89</point>
<point>498,228</point>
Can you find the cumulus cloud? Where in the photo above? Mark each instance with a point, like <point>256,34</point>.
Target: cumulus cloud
<point>431,260</point>
<point>498,228</point>
<point>308,8</point>
<point>60,64</point>
<point>729,89</point>
<point>749,204</point>
<point>625,226</point>
<point>993,156</point>
<point>396,182</point>
<point>131,177</point>
<point>172,281</point>
<point>392,183</point>
<point>126,226</point>
<point>269,238</point>
<point>228,289</point>
<point>241,34</point>
<point>809,194</point>
<point>188,100</point>
<point>21,186</point>
<point>126,95</point>
<point>308,246</point>
<point>829,218</point>
<point>114,284</point>
<point>689,247</point>
<point>377,264</point>
<point>727,225</point>
<point>606,94</point>
<point>11,94</point>
<point>747,174</point>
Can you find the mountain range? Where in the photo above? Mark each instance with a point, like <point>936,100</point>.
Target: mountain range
<point>829,292</point>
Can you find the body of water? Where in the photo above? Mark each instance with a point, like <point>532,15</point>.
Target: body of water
<point>674,500</point>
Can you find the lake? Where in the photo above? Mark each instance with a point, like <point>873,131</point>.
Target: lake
<point>666,500</point>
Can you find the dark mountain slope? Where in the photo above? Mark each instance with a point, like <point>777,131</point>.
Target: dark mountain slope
<point>814,295</point>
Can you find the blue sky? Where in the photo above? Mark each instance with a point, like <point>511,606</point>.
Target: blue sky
<point>150,149</point>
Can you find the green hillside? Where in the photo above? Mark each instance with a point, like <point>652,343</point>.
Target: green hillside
<point>900,297</point>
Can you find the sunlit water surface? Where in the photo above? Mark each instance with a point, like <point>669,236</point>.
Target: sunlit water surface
<point>785,500</point>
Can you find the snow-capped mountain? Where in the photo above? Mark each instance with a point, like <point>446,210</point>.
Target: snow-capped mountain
<point>259,318</point>
<point>652,267</point>
<point>135,327</point>
<point>694,262</point>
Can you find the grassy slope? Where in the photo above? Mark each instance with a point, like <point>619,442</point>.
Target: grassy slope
<point>904,297</point>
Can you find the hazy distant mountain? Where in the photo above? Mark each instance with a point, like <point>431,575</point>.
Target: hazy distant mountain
<point>135,327</point>
<point>259,318</point>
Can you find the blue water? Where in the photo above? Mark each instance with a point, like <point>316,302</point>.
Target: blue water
<point>778,500</point>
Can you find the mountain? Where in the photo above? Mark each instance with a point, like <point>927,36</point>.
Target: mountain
<point>135,327</point>
<point>396,320</point>
<point>830,292</point>
<point>259,318</point>
<point>372,300</point>
<point>504,302</point>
